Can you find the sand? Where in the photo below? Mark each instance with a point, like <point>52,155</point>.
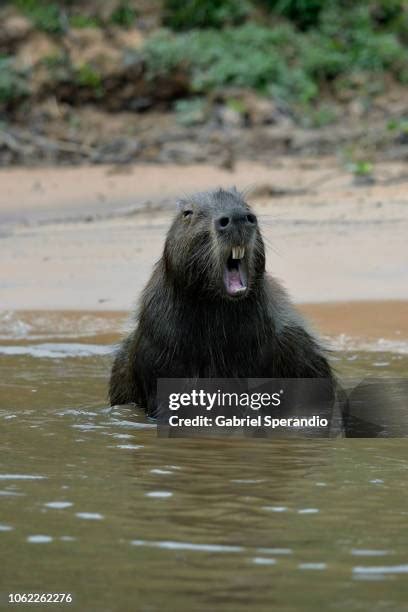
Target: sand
<point>86,238</point>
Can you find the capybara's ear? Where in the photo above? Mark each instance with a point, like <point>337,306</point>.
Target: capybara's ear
<point>185,206</point>
<point>180,204</point>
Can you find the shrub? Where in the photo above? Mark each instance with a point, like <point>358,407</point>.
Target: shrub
<point>280,60</point>
<point>304,13</point>
<point>308,13</point>
<point>182,15</point>
<point>83,21</point>
<point>250,56</point>
<point>45,15</point>
<point>87,76</point>
<point>13,83</point>
<point>124,15</point>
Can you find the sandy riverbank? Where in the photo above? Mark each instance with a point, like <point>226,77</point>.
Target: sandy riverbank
<point>86,238</point>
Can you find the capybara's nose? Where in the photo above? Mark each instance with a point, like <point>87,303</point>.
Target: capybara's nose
<point>235,219</point>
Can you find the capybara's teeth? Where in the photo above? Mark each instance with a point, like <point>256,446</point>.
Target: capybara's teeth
<point>238,252</point>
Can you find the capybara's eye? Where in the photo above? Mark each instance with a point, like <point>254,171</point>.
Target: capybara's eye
<point>187,213</point>
<point>251,219</point>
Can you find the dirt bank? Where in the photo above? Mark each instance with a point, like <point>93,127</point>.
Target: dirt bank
<point>102,82</point>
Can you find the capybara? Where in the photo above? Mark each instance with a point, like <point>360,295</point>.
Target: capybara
<point>209,309</point>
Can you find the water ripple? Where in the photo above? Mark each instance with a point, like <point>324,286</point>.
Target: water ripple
<point>188,546</point>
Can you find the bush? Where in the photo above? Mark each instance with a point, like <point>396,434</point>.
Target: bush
<point>124,15</point>
<point>280,60</point>
<point>45,15</point>
<point>13,83</point>
<point>83,21</point>
<point>250,56</point>
<point>348,41</point>
<point>308,13</point>
<point>87,76</point>
<point>304,13</point>
<point>182,15</point>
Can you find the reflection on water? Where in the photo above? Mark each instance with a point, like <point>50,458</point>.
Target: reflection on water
<point>93,503</point>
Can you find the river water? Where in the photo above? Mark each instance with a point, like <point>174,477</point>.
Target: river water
<point>94,504</point>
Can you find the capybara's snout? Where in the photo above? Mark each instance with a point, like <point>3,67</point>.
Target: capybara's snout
<point>235,227</point>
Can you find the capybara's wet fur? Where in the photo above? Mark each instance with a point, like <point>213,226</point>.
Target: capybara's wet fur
<point>210,311</point>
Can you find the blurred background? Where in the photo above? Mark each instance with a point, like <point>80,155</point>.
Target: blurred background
<point>124,81</point>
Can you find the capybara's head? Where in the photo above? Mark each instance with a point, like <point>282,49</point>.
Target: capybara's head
<point>214,246</point>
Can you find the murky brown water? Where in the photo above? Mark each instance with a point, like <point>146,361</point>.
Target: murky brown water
<point>94,504</point>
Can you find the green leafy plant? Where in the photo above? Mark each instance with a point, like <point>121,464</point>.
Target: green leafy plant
<point>249,56</point>
<point>280,60</point>
<point>182,15</point>
<point>398,125</point>
<point>13,82</point>
<point>87,76</point>
<point>305,13</point>
<point>83,21</point>
<point>236,105</point>
<point>124,15</point>
<point>362,168</point>
<point>45,15</point>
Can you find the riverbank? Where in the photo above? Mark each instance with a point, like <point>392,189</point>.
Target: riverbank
<point>87,238</point>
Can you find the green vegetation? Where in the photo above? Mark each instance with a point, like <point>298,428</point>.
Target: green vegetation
<point>52,17</point>
<point>304,13</point>
<point>83,21</point>
<point>299,52</point>
<point>309,13</point>
<point>215,59</point>
<point>362,168</point>
<point>182,15</point>
<point>280,60</point>
<point>399,126</point>
<point>87,76</point>
<point>124,15</point>
<point>44,15</point>
<point>237,105</point>
<point>358,160</point>
<point>13,83</point>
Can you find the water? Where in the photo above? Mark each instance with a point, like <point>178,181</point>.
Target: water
<point>94,504</point>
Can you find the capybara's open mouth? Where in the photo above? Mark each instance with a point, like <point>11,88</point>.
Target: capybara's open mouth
<point>236,273</point>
